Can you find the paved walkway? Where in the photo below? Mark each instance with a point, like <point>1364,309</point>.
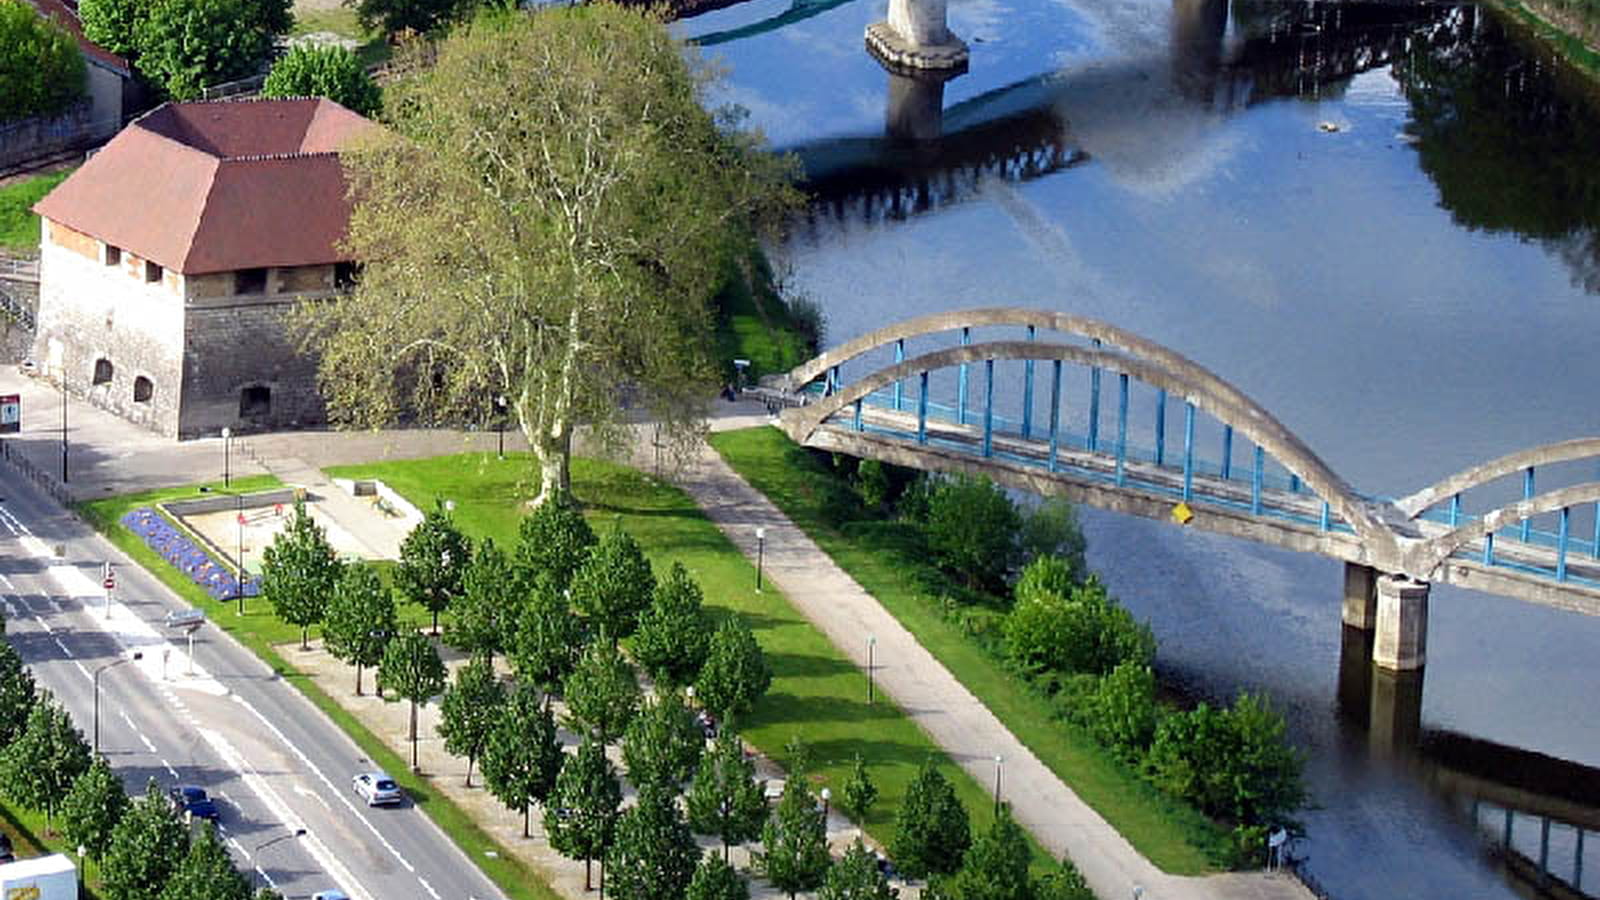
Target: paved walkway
<point>108,455</point>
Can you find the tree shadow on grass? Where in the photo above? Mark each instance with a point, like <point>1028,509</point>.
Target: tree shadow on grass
<point>808,665</point>
<point>783,707</point>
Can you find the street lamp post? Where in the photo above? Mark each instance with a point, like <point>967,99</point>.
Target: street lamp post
<point>227,447</point>
<point>96,680</point>
<point>826,796</point>
<point>872,641</point>
<point>998,759</point>
<point>500,425</point>
<point>761,549</point>
<point>238,508</point>
<point>63,425</point>
<point>255,870</point>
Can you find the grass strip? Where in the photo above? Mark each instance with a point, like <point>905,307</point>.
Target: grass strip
<point>261,631</point>
<point>19,227</point>
<point>1174,837</point>
<point>817,694</point>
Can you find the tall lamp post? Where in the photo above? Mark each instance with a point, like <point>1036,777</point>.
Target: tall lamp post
<point>761,549</point>
<point>238,506</point>
<point>227,446</point>
<point>63,425</point>
<point>500,424</point>
<point>872,641</point>
<point>998,759</point>
<point>96,680</point>
<point>255,870</point>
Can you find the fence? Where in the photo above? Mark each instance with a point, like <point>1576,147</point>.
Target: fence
<point>46,482</point>
<point>28,139</point>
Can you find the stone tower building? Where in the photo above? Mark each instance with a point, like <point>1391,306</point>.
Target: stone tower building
<point>169,258</point>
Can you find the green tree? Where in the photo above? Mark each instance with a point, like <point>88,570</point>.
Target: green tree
<point>548,639</point>
<point>114,24</point>
<point>361,618</point>
<point>92,808</point>
<point>491,597</point>
<point>411,668</point>
<point>674,633</point>
<point>206,872</point>
<point>654,854</point>
<point>1123,710</point>
<point>185,46</point>
<point>972,529</point>
<point>613,585</point>
<point>470,709</point>
<point>1051,529</point>
<point>794,841</point>
<point>433,563</point>
<point>859,792</point>
<point>856,877</point>
<point>300,571</point>
<point>1086,631</point>
<point>1045,578</point>
<point>581,817</point>
<point>41,69</point>
<point>725,799</point>
<point>1067,884</point>
<point>996,865</point>
<point>329,71</point>
<point>421,16</point>
<point>38,767</point>
<point>602,693</point>
<point>735,674</point>
<point>17,694</point>
<point>523,754</point>
<point>663,744</point>
<point>1231,763</point>
<point>147,846</point>
<point>931,830</point>
<point>553,540</point>
<point>714,879</point>
<point>547,217</point>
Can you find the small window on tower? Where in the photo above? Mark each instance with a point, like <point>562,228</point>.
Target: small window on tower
<point>152,272</point>
<point>250,281</point>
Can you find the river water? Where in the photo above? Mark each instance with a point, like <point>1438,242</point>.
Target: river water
<point>1379,221</point>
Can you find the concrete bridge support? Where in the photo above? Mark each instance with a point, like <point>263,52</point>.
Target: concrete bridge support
<point>1360,596</point>
<point>1402,626</point>
<point>916,38</point>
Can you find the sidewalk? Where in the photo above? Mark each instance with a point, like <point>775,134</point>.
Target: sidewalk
<point>108,456</point>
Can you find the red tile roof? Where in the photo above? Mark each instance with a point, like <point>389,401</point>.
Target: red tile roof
<point>218,186</point>
<point>66,14</point>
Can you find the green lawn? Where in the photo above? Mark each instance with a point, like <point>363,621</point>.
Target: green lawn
<point>259,630</point>
<point>1174,837</point>
<point>816,694</point>
<point>19,228</point>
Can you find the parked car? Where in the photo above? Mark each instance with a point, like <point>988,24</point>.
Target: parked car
<point>376,788</point>
<point>330,895</point>
<point>191,799</point>
<point>6,854</point>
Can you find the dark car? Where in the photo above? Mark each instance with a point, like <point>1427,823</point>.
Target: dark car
<point>190,799</point>
<point>5,848</point>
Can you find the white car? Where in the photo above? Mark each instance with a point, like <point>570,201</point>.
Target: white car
<point>376,788</point>
<point>330,895</point>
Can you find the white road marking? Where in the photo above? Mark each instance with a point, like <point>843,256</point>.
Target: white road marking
<point>150,748</point>
<point>429,888</point>
<point>307,792</point>
<point>62,646</point>
<point>84,670</point>
<point>170,770</point>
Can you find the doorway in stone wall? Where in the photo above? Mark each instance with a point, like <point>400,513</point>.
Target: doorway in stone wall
<point>255,402</point>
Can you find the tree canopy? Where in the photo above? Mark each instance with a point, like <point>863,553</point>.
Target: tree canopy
<point>433,562</point>
<point>300,572</point>
<point>360,620</point>
<point>185,46</point>
<point>931,830</point>
<point>38,767</point>
<point>41,70</point>
<point>332,71</point>
<point>470,710</point>
<point>674,633</point>
<point>736,672</point>
<point>546,219</point>
<point>523,754</point>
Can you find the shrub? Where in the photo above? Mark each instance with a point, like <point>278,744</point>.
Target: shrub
<point>1123,710</point>
<point>1231,763</point>
<point>333,72</point>
<point>972,529</point>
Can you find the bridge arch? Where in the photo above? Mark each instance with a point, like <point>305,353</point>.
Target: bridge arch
<point>1476,476</point>
<point>1428,555</point>
<point>1192,382</point>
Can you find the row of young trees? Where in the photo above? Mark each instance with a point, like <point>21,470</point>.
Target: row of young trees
<point>144,850</point>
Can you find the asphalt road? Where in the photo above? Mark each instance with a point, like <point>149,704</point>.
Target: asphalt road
<point>222,719</point>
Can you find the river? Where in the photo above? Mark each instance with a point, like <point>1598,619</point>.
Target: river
<point>1378,220</point>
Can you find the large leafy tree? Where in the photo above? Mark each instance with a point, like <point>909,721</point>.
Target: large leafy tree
<point>674,633</point>
<point>663,744</point>
<point>581,817</point>
<point>433,563</point>
<point>523,754</point>
<point>553,541</point>
<point>613,585</point>
<point>329,71</point>
<point>654,854</point>
<point>725,799</point>
<point>422,16</point>
<point>547,640</point>
<point>714,879</point>
<point>546,219</point>
<point>186,46</point>
<point>931,830</point>
<point>361,618</point>
<point>794,841</point>
<point>38,767</point>
<point>491,596</point>
<point>602,693</point>
<point>92,808</point>
<point>856,877</point>
<point>147,846</point>
<point>206,873</point>
<point>1232,763</point>
<point>299,572</point>
<point>17,694</point>
<point>996,865</point>
<point>735,674</point>
<point>470,709</point>
<point>972,529</point>
<point>412,670</point>
<point>41,69</point>
<point>113,24</point>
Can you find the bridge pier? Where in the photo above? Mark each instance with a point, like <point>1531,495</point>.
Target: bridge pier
<point>1386,705</point>
<point>1360,596</point>
<point>915,37</point>
<point>1402,624</point>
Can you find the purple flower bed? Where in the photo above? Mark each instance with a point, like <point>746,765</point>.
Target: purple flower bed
<point>181,552</point>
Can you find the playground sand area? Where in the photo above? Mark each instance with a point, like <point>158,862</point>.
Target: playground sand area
<point>247,524</point>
